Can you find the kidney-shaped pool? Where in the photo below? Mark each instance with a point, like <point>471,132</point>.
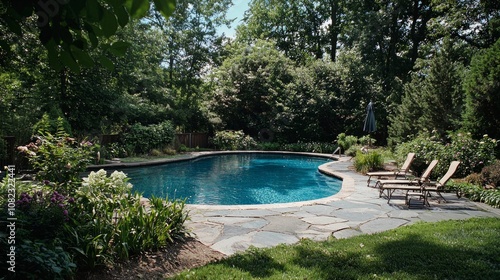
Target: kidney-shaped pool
<point>237,179</point>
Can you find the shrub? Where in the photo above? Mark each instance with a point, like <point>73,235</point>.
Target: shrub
<point>141,139</point>
<point>366,162</point>
<point>426,149</point>
<point>111,221</point>
<point>233,140</point>
<point>59,158</point>
<point>367,140</point>
<point>491,174</point>
<point>478,193</point>
<point>44,260</point>
<point>346,141</point>
<point>155,152</point>
<point>473,154</point>
<point>353,150</point>
<point>43,212</point>
<point>311,147</point>
<point>113,150</point>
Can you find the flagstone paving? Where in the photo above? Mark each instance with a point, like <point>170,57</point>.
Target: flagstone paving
<point>356,209</point>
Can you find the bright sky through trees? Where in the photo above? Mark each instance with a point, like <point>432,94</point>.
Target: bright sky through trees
<point>236,11</point>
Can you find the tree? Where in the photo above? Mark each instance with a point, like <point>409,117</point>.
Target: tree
<point>432,101</point>
<point>482,89</point>
<point>192,49</point>
<point>297,27</point>
<point>250,87</point>
<point>69,29</point>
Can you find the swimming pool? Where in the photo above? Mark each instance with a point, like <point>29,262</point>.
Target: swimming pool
<point>237,179</point>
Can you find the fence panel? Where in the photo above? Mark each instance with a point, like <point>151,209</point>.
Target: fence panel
<point>193,140</point>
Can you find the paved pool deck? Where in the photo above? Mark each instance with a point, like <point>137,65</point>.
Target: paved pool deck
<point>356,209</point>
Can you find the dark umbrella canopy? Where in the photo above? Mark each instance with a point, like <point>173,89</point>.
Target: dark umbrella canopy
<point>370,124</point>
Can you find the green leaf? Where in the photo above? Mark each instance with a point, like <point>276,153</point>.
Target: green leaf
<point>92,36</point>
<point>94,10</point>
<point>106,63</point>
<point>82,57</point>
<point>68,60</point>
<point>165,7</point>
<point>109,24</point>
<point>53,56</point>
<point>137,8</point>
<point>122,15</point>
<point>119,48</point>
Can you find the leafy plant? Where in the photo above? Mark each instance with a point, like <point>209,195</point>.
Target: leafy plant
<point>140,139</point>
<point>473,154</point>
<point>44,260</point>
<point>491,174</point>
<point>233,140</point>
<point>43,212</point>
<point>59,158</point>
<point>112,222</point>
<point>346,141</point>
<point>365,162</point>
<point>478,193</point>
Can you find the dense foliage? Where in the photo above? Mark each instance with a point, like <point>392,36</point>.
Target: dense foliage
<point>303,70</point>
<point>233,140</point>
<point>473,154</point>
<point>64,222</point>
<point>140,139</point>
<point>483,94</point>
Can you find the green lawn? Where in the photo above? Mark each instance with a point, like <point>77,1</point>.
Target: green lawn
<point>468,249</point>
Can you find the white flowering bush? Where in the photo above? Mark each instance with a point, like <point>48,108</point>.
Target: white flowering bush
<point>112,223</point>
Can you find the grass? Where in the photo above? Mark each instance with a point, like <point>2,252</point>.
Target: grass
<point>466,249</point>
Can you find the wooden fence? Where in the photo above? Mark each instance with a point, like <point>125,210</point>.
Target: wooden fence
<point>193,140</point>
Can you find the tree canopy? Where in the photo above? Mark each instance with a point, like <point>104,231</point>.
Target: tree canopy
<point>69,29</point>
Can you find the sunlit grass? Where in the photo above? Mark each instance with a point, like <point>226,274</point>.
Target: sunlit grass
<point>468,249</point>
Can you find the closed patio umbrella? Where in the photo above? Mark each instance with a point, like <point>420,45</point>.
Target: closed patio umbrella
<point>370,123</point>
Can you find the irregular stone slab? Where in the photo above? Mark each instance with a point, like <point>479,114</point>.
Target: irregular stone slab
<point>358,214</point>
<point>234,244</point>
<point>346,204</point>
<point>229,231</point>
<point>346,233</point>
<point>285,224</point>
<point>434,217</point>
<point>403,214</point>
<point>299,214</point>
<point>206,233</point>
<point>331,227</point>
<point>382,224</point>
<point>251,213</point>
<point>323,220</point>
<point>319,209</point>
<point>271,239</point>
<point>314,235</point>
<point>230,220</point>
<point>255,224</point>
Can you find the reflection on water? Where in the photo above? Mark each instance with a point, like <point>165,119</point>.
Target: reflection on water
<point>237,179</point>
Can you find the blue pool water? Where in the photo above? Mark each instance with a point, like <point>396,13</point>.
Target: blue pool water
<point>237,179</point>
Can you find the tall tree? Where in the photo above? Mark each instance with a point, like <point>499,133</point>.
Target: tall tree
<point>250,87</point>
<point>193,49</point>
<point>482,89</point>
<point>433,100</point>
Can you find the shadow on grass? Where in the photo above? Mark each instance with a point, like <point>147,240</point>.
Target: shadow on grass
<point>411,257</point>
<point>256,262</point>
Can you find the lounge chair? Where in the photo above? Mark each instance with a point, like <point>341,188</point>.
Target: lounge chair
<point>405,184</point>
<point>401,172</point>
<point>438,186</point>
